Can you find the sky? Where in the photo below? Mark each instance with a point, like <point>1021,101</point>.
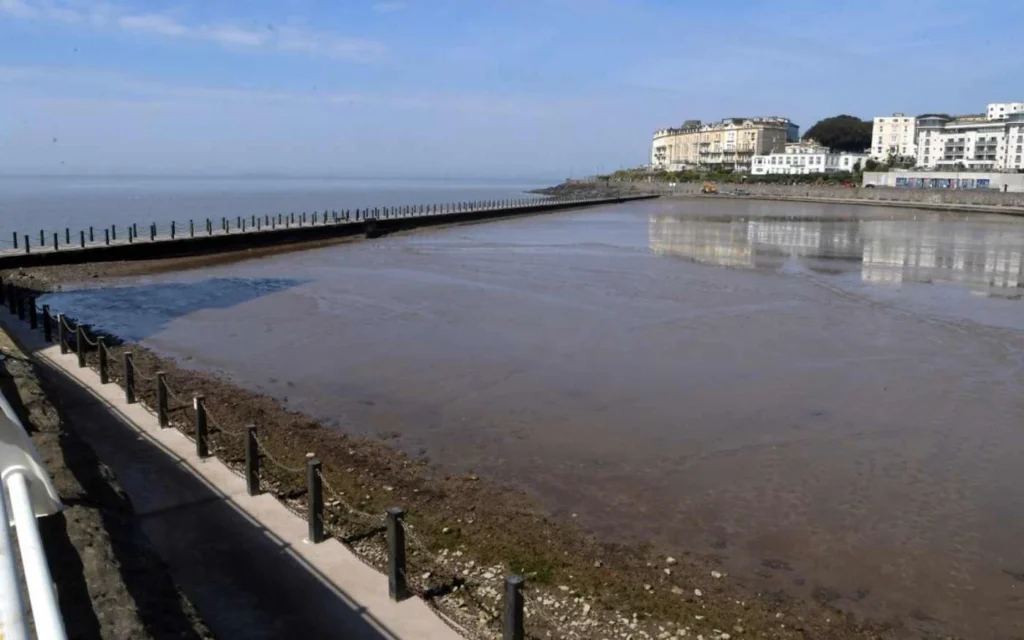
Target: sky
<point>467,88</point>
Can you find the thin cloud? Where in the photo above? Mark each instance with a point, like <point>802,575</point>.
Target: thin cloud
<point>285,39</point>
<point>390,7</point>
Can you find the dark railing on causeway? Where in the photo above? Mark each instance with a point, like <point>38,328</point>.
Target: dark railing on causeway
<point>74,338</point>
<point>178,237</point>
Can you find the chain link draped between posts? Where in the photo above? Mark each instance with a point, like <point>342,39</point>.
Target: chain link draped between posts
<point>140,375</point>
<point>337,497</point>
<point>262,446</point>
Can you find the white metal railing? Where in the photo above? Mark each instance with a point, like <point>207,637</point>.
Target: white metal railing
<point>27,494</point>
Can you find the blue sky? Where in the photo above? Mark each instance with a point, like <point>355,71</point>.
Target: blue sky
<point>518,88</point>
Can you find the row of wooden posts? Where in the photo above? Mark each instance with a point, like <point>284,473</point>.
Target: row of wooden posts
<point>22,303</point>
<point>252,223</point>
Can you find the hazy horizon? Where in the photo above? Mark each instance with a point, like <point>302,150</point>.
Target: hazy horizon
<point>546,88</point>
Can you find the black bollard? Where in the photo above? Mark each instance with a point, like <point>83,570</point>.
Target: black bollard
<point>80,344</point>
<point>101,350</point>
<point>129,378</point>
<point>152,232</point>
<point>314,501</point>
<point>56,245</point>
<point>33,319</point>
<point>113,232</point>
<point>252,461</point>
<point>92,237</point>
<point>42,238</point>
<point>398,589</point>
<point>131,235</point>
<point>202,435</point>
<point>161,399</point>
<point>513,627</point>
<point>28,249</point>
<point>81,235</point>
<point>15,239</point>
<point>173,229</point>
<point>47,324</point>
<point>67,235</point>
<point>135,230</point>
<point>191,229</point>
<point>106,237</point>
<point>61,337</point>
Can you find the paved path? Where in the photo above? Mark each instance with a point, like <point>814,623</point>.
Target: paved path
<point>242,560</point>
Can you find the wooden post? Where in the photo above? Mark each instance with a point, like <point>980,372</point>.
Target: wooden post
<point>56,244</point>
<point>81,235</point>
<point>398,589</point>
<point>314,501</point>
<point>513,627</point>
<point>161,399</point>
<point>60,334</point>
<point>202,436</point>
<point>129,378</point>
<point>252,461</point>
<point>47,324</point>
<point>80,344</point>
<point>28,249</point>
<point>106,237</point>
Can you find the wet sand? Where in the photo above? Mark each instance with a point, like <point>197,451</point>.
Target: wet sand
<point>828,398</point>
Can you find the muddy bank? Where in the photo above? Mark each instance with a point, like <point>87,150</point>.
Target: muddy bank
<point>110,582</point>
<point>474,531</point>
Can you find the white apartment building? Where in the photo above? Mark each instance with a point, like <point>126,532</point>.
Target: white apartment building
<point>1001,110</point>
<point>990,142</point>
<point>803,158</point>
<point>893,136</point>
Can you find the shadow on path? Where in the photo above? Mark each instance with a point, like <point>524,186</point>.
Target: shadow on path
<point>242,578</point>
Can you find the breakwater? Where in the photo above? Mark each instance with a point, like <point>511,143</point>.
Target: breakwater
<point>198,237</point>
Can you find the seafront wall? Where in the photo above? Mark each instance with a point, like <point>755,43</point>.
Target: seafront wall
<point>983,201</point>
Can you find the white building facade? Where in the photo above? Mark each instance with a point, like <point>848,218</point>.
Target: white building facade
<point>1002,110</point>
<point>990,142</point>
<point>804,158</point>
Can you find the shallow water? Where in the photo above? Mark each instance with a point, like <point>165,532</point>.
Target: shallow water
<point>829,398</point>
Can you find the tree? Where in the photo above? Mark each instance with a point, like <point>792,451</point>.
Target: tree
<point>842,133</point>
<point>872,165</point>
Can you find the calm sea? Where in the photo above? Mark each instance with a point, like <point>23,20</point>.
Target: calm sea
<point>31,204</point>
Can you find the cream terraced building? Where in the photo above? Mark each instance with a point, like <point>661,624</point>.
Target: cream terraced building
<point>729,144</point>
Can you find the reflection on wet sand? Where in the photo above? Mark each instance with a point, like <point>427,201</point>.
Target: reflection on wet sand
<point>889,251</point>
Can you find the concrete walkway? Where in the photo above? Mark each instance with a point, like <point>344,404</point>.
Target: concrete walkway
<point>242,560</point>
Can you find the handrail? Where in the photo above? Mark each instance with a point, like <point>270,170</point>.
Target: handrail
<point>26,494</point>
